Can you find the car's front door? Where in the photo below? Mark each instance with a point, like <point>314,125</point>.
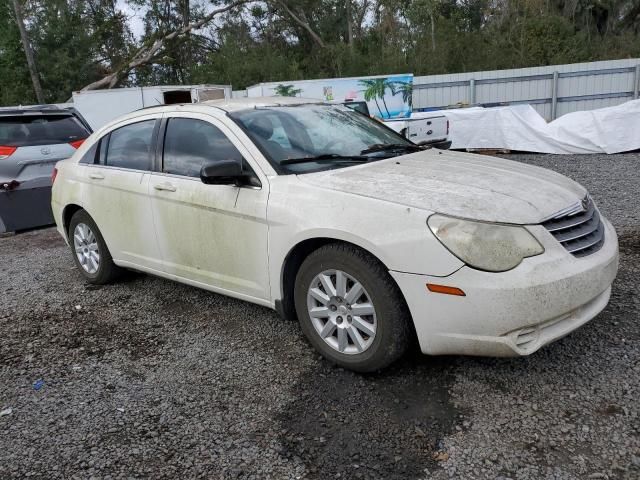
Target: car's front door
<point>209,235</point>
<point>116,176</point>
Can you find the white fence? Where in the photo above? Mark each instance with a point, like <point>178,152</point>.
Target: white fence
<point>552,91</point>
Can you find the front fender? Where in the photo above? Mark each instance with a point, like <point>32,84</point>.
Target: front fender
<point>395,234</point>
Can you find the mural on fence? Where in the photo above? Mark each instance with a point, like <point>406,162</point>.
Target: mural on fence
<point>386,97</point>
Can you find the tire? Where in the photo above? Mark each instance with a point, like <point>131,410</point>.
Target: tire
<point>389,322</point>
<point>90,240</point>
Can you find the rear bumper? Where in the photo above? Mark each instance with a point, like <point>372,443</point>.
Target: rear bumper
<point>516,312</point>
<point>28,206</point>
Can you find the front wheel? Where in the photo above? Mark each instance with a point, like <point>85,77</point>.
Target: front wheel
<point>350,308</point>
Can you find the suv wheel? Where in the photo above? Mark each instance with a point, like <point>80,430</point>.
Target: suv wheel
<point>350,308</point>
<point>90,251</point>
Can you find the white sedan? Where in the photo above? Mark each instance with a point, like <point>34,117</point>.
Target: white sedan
<point>326,215</point>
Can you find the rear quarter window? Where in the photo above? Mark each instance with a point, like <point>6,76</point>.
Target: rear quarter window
<point>30,130</point>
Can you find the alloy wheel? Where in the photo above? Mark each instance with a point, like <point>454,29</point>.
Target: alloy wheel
<point>342,312</point>
<point>86,248</point>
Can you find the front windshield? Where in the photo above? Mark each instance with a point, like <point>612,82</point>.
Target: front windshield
<point>336,136</point>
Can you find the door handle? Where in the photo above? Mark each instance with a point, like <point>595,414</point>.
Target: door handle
<point>167,187</point>
<point>96,176</point>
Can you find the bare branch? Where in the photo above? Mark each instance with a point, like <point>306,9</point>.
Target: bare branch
<point>301,20</point>
<point>146,54</point>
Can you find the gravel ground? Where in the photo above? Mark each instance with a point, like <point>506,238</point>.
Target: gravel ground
<point>148,378</point>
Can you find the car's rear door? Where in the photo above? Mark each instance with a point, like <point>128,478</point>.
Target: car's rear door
<point>115,176</point>
<point>209,235</point>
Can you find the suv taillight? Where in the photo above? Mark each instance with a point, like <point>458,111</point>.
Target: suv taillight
<point>54,174</point>
<point>77,143</point>
<point>6,152</point>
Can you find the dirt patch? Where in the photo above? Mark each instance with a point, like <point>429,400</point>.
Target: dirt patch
<point>389,425</point>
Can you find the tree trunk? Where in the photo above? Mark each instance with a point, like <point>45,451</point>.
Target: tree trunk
<point>349,24</point>
<point>360,17</point>
<point>26,44</point>
<point>433,33</point>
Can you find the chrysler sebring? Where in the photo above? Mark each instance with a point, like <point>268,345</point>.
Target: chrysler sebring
<point>328,216</point>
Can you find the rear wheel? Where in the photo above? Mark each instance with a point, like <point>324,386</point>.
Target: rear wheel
<point>90,251</point>
<point>350,308</point>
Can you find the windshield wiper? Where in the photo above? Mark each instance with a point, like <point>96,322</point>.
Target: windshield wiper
<point>326,157</point>
<point>384,147</point>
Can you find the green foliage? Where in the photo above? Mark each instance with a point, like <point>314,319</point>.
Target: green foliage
<point>79,41</point>
<point>15,83</point>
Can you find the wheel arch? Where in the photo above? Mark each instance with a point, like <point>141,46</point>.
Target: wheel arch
<point>292,262</point>
<point>68,213</point>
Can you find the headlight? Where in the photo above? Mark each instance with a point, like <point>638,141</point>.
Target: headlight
<point>485,246</point>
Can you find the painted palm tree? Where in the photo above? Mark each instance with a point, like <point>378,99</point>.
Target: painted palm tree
<point>403,88</point>
<point>286,91</point>
<point>375,88</point>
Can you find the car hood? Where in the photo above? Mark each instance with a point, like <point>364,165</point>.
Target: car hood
<point>459,184</point>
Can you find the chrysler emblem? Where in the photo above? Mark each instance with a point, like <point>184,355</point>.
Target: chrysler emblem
<point>45,150</point>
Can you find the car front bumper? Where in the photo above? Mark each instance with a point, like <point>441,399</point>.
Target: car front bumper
<point>516,312</point>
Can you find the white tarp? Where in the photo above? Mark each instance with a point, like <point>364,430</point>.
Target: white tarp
<point>520,127</point>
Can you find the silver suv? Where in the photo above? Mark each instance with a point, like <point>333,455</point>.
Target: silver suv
<point>32,140</point>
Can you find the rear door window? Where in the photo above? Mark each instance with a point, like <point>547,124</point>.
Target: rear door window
<point>28,130</point>
<point>130,146</point>
<point>190,143</point>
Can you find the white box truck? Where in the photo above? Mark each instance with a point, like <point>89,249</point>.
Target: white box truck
<point>99,107</point>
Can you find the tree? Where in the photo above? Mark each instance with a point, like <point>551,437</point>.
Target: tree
<point>300,18</point>
<point>15,82</point>
<point>28,51</point>
<point>148,53</point>
<point>88,43</point>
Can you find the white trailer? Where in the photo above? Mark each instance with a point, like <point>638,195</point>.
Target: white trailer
<point>99,107</point>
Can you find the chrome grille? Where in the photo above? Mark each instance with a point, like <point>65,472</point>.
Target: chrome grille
<point>581,232</point>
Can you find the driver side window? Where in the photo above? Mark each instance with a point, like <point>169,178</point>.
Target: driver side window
<point>190,143</point>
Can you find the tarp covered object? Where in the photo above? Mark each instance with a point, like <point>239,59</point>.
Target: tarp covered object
<point>520,127</point>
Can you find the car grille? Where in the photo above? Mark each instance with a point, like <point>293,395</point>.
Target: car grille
<point>582,232</point>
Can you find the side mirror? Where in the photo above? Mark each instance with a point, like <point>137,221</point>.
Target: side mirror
<point>223,172</point>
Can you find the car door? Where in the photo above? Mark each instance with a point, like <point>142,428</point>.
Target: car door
<point>209,235</point>
<point>116,176</point>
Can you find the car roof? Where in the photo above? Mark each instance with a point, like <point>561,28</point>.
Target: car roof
<point>245,103</point>
<point>221,106</point>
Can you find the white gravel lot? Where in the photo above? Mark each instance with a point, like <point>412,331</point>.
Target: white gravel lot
<point>148,378</point>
